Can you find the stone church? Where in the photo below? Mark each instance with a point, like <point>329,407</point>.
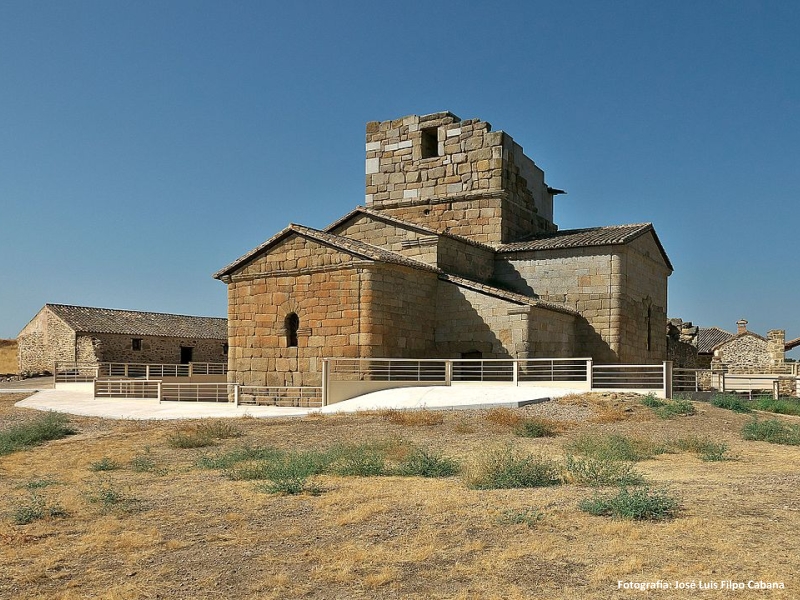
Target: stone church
<point>454,254</point>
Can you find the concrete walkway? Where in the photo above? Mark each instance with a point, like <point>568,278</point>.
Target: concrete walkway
<point>434,398</point>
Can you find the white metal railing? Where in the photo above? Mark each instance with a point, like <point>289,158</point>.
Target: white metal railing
<point>627,376</point>
<point>126,388</point>
<point>196,392</point>
<point>75,371</point>
<point>388,369</point>
<point>306,397</point>
<point>581,373</point>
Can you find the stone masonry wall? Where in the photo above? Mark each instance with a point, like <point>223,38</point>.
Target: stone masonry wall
<point>321,285</point>
<point>743,354</point>
<point>399,316</point>
<point>43,341</point>
<point>643,311</point>
<point>470,181</point>
<point>449,254</point>
<point>469,321</point>
<point>580,278</point>
<point>155,349</point>
<point>611,287</point>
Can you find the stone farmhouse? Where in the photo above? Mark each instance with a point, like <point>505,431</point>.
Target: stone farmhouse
<point>747,352</point>
<point>454,254</point>
<point>81,334</point>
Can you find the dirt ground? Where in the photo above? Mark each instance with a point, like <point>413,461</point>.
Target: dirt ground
<point>181,531</point>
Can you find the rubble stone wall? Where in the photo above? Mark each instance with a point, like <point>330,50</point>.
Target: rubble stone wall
<point>43,341</point>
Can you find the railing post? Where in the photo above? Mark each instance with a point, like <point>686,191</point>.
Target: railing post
<point>147,372</point>
<point>158,390</point>
<point>515,372</point>
<point>191,369</point>
<point>667,379</point>
<point>326,373</point>
<point>590,373</point>
<point>448,372</point>
<point>236,394</point>
<point>722,381</point>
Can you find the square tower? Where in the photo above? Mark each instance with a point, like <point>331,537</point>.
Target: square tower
<point>460,176</point>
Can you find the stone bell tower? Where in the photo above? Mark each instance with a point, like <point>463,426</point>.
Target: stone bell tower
<point>460,176</point>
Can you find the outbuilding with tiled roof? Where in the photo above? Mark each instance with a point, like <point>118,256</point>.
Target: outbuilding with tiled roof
<point>67,333</point>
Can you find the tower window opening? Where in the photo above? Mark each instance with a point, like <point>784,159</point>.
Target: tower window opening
<point>430,142</point>
<point>291,323</point>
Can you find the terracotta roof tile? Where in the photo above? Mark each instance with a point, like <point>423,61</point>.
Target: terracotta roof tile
<point>708,337</point>
<point>345,244</point>
<point>84,319</point>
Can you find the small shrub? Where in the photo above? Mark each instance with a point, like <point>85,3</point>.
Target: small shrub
<point>505,468</point>
<point>282,466</point>
<point>707,449</point>
<point>219,430</point>
<point>615,447</point>
<point>289,473</point>
<point>51,426</point>
<point>413,418</point>
<point>238,455</point>
<point>601,471</point>
<point>104,464</point>
<point>731,402</point>
<point>189,439</point>
<point>783,406</point>
<point>35,509</point>
<point>638,504</point>
<point>37,484</point>
<point>144,463</point>
<point>361,460</point>
<point>650,401</point>
<point>773,431</point>
<point>504,417</point>
<point>108,496</point>
<point>421,462</point>
<point>525,516</point>
<point>536,428</point>
<point>675,408</point>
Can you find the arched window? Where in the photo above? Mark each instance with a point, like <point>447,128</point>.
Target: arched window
<point>291,324</point>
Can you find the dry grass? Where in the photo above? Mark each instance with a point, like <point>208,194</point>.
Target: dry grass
<point>193,533</point>
<point>412,418</point>
<point>8,357</point>
<point>504,417</point>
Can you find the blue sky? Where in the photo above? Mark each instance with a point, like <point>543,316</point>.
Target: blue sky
<point>134,136</point>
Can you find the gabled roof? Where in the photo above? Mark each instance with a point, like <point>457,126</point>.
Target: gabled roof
<point>747,333</point>
<point>505,295</point>
<point>581,238</point>
<point>381,216</point>
<point>84,319</point>
<point>339,242</point>
<point>708,337</point>
<point>791,344</point>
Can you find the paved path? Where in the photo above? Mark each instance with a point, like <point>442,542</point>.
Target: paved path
<point>436,398</point>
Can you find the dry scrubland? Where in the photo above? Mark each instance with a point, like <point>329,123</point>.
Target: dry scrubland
<point>8,357</point>
<point>135,517</point>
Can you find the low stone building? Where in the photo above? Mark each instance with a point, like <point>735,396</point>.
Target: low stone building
<point>66,333</point>
<point>455,254</point>
<point>748,353</point>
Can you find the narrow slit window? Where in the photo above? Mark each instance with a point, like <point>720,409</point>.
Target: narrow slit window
<point>430,143</point>
<point>649,327</point>
<point>291,323</point>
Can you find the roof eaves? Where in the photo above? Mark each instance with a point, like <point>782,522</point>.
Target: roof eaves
<point>506,295</point>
